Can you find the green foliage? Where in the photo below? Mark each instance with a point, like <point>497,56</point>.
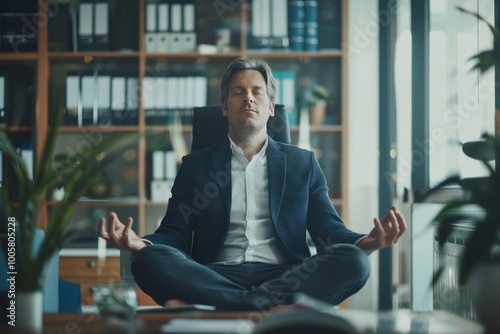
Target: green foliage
<point>76,178</point>
<point>316,93</point>
<point>480,191</point>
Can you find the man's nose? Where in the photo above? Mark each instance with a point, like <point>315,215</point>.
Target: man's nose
<point>249,98</point>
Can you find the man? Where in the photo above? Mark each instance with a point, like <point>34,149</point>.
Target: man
<point>245,248</point>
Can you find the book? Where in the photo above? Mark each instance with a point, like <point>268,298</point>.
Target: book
<point>188,41</point>
<point>329,24</point>
<point>85,26</point>
<point>150,38</point>
<point>103,91</point>
<point>176,26</point>
<point>279,24</point>
<point>311,25</point>
<point>227,326</point>
<point>163,35</point>
<point>260,32</point>
<point>118,100</point>
<point>72,100</point>
<point>101,26</point>
<point>123,23</point>
<point>86,116</point>
<point>296,24</point>
<point>132,101</point>
<point>60,29</point>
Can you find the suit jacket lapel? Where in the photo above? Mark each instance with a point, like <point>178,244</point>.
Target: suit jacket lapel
<point>276,169</point>
<point>221,159</point>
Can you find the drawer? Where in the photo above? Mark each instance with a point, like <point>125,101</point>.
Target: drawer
<point>89,267</point>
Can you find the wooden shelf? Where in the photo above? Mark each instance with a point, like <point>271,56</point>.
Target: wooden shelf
<point>97,128</point>
<point>92,54</point>
<point>17,56</point>
<point>310,67</point>
<point>101,202</point>
<point>15,128</point>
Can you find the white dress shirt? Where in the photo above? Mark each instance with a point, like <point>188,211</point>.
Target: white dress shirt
<point>251,235</point>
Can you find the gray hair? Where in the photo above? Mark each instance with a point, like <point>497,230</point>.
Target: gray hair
<point>242,64</point>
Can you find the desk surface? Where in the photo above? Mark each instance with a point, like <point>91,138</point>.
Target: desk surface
<point>403,321</point>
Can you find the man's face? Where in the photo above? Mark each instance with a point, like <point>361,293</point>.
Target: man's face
<point>247,106</point>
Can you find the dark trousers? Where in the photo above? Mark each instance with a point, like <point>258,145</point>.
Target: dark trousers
<point>332,275</point>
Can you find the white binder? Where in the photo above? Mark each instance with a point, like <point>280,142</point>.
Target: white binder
<point>150,39</point>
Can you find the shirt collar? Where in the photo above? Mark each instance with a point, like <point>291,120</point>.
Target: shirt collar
<point>239,152</point>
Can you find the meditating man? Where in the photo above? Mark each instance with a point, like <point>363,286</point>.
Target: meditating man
<point>234,234</point>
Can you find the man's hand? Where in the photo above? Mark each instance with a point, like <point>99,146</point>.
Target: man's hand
<point>120,235</point>
<point>385,233</point>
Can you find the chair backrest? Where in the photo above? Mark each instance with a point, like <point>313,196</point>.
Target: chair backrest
<point>210,126</point>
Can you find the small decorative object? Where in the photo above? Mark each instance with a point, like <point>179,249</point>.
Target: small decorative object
<point>118,300</point>
<point>116,304</point>
<point>318,99</point>
<point>223,39</point>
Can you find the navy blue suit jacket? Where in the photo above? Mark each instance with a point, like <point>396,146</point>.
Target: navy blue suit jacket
<point>298,201</point>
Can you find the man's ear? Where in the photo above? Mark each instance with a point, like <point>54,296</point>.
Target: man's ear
<point>271,113</point>
<point>224,109</point>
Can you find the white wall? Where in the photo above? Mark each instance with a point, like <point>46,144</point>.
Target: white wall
<point>363,131</point>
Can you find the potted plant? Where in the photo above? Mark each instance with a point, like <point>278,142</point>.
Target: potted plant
<point>480,261</point>
<point>76,177</point>
<point>317,98</point>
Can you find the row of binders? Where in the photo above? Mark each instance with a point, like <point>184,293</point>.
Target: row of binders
<point>100,99</point>
<point>297,25</point>
<point>93,25</point>
<point>165,97</point>
<point>170,27</point>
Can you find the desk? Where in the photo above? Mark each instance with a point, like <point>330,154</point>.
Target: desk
<point>402,321</point>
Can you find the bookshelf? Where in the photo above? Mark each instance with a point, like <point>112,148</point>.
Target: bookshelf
<point>127,54</point>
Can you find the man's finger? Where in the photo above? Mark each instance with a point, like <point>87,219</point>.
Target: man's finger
<point>128,227</point>
<point>102,229</point>
<point>402,224</point>
<point>112,224</point>
<point>394,233</point>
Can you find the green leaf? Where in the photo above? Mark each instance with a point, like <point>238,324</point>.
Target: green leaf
<point>479,150</point>
<point>485,60</point>
<point>44,169</point>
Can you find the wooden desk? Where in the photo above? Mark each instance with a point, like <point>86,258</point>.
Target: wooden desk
<point>72,323</point>
<point>403,321</point>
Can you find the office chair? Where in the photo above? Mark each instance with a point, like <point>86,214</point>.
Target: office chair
<point>210,126</point>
